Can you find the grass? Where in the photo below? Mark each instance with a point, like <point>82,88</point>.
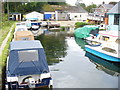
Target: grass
<point>3,59</point>
<point>5,29</point>
<point>5,52</point>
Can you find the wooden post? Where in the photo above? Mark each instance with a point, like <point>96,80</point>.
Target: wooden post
<point>8,9</point>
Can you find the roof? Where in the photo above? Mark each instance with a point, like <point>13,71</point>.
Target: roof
<point>15,13</point>
<point>72,9</point>
<point>115,9</point>
<point>34,12</point>
<point>16,45</point>
<point>107,6</point>
<point>76,9</point>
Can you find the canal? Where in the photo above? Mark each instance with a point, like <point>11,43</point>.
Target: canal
<point>72,67</point>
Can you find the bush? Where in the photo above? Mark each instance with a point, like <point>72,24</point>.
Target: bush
<point>80,24</point>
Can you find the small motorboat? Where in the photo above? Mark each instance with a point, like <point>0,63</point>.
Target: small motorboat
<point>27,66</point>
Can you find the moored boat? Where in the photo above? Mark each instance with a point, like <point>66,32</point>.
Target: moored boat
<point>27,66</point>
<point>106,53</point>
<point>109,46</point>
<point>86,31</point>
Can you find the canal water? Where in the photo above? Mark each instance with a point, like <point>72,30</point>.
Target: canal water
<point>72,67</point>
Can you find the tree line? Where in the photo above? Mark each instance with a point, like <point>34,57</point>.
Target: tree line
<point>26,7</point>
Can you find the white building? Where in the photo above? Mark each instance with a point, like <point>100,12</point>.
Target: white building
<point>77,13</point>
<point>34,16</point>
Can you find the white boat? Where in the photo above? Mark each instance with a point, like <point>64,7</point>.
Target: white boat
<point>27,66</point>
<point>108,49</point>
<point>103,37</point>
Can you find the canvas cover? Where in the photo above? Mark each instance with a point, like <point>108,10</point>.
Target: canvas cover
<point>24,35</point>
<point>86,31</point>
<point>25,60</point>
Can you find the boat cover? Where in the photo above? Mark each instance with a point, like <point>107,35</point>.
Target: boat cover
<point>24,35</point>
<point>26,58</point>
<point>86,31</point>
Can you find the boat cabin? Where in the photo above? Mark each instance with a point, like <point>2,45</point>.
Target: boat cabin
<point>23,35</point>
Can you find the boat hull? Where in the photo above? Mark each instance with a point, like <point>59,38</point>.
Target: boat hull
<point>102,55</point>
<point>44,83</point>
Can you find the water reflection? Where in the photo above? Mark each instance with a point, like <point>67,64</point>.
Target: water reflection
<point>55,46</point>
<point>81,42</point>
<point>106,66</point>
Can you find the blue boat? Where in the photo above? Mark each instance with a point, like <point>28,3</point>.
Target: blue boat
<point>27,66</point>
<point>102,52</point>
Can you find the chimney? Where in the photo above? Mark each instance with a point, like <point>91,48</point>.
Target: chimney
<point>103,2</point>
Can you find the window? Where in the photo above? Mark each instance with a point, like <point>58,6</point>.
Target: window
<point>116,19</point>
<point>118,41</point>
<point>75,16</point>
<point>104,38</point>
<point>28,55</point>
<point>25,38</point>
<point>109,50</point>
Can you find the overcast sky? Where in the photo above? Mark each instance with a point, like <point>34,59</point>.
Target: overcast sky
<point>88,2</point>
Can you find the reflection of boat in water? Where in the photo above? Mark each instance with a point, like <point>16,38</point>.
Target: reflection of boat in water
<point>81,42</point>
<point>101,64</point>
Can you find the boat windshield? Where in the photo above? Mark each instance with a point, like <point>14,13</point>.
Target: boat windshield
<point>104,38</point>
<point>109,50</point>
<point>28,55</point>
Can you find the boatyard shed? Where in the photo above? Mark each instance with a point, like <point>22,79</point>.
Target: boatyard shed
<point>34,16</point>
<point>15,16</point>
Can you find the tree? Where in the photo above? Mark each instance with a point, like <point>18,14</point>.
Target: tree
<point>90,7</point>
<point>81,4</point>
<point>113,3</point>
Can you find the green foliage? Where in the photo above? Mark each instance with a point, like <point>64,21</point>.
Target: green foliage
<point>23,7</point>
<point>113,3</point>
<point>63,28</point>
<point>90,8</point>
<point>5,52</point>
<point>80,24</point>
<point>5,28</point>
<point>57,3</point>
<point>47,8</point>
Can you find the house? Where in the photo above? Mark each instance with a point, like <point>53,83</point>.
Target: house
<point>64,12</point>
<point>15,16</point>
<point>102,10</point>
<point>34,16</point>
<point>77,13</point>
<point>114,17</point>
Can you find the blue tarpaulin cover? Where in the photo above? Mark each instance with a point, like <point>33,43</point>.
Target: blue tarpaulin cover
<point>26,58</point>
